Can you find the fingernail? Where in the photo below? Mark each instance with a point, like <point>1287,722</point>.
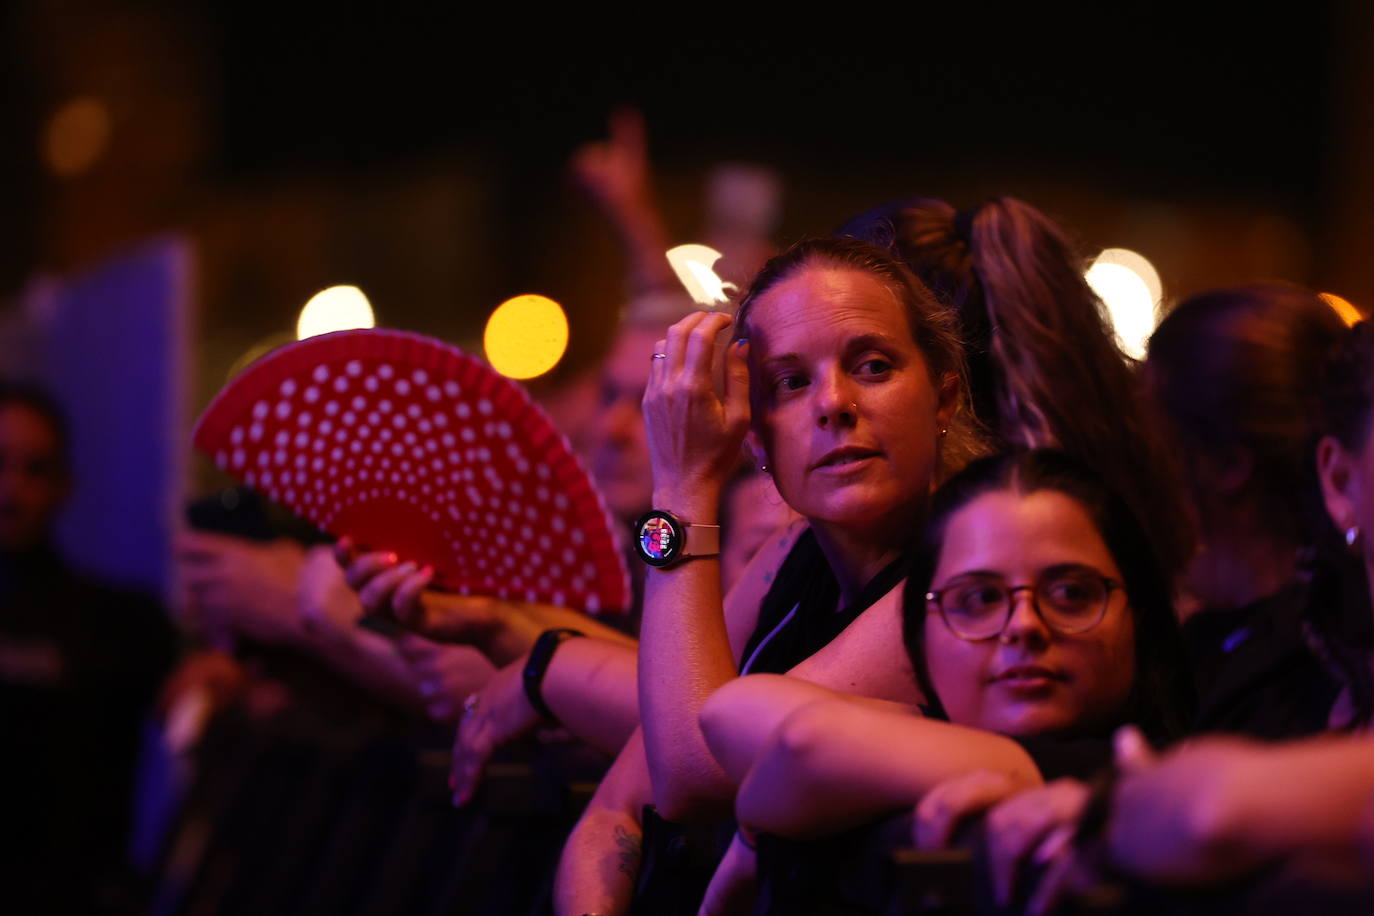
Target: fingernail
<point>391,557</point>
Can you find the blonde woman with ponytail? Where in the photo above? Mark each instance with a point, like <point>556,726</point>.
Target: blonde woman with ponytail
<point>1045,367</point>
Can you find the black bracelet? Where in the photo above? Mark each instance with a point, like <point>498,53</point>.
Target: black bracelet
<point>538,665</point>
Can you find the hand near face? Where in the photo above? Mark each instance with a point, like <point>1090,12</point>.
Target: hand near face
<point>694,434</point>
<point>495,715</point>
<point>240,586</point>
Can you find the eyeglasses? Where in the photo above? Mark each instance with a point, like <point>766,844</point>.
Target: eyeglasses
<point>1069,599</point>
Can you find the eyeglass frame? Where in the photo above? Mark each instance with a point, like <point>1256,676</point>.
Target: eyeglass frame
<point>934,596</point>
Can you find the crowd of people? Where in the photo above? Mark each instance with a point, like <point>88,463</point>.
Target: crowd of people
<point>990,600</point>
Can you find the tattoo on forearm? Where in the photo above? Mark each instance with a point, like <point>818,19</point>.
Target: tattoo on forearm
<point>629,844</point>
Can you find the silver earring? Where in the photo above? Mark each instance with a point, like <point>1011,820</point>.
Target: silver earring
<point>943,432</point>
<point>1352,534</point>
<point>763,469</point>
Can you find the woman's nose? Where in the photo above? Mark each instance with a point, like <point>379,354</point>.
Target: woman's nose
<point>835,403</point>
<point>1025,623</point>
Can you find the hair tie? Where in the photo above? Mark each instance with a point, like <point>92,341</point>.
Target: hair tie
<point>963,225</point>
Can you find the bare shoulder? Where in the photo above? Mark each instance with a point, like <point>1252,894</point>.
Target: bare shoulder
<point>869,657</point>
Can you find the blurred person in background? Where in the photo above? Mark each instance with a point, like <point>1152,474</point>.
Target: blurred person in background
<point>80,663</point>
<point>1237,375</point>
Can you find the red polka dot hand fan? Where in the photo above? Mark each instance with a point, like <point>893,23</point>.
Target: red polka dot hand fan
<point>407,444</point>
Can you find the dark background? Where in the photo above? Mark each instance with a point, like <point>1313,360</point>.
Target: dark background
<point>422,155</point>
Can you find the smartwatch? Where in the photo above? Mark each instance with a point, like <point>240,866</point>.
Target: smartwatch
<point>662,539</point>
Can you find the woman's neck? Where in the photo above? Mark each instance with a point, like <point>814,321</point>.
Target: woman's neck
<point>858,553</point>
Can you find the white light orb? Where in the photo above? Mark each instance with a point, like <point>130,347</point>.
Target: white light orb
<point>338,308</point>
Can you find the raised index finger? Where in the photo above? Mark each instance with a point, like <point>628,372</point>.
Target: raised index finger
<point>702,341</point>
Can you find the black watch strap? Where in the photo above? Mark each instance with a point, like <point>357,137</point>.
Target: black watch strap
<point>538,665</point>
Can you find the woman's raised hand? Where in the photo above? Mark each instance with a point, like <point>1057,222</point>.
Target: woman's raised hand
<point>694,434</point>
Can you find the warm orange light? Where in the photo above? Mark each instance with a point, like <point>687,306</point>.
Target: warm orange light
<point>76,136</point>
<point>526,336</point>
<point>1343,307</point>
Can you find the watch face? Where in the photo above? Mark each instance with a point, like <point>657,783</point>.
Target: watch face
<point>658,538</point>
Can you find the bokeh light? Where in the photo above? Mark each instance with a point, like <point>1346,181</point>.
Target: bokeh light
<point>695,268</point>
<point>338,308</point>
<point>1129,286</point>
<point>1343,307</point>
<point>526,336</point>
<point>76,136</point>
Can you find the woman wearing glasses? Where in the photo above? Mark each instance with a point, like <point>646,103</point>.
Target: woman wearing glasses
<point>1037,622</point>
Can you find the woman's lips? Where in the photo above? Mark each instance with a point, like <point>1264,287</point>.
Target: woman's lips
<point>1028,678</point>
<point>844,459</point>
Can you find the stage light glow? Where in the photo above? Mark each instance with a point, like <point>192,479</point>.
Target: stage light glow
<point>1343,307</point>
<point>76,136</point>
<point>1129,286</point>
<point>695,268</point>
<point>526,336</point>
<point>338,308</point>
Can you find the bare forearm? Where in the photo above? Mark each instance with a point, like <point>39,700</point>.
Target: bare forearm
<point>599,866</point>
<point>1300,803</point>
<point>741,718</point>
<point>590,686</point>
<point>684,657</point>
<point>601,860</point>
<point>372,661</point>
<point>835,765</point>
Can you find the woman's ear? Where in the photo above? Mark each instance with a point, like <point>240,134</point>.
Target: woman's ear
<point>754,451</point>
<point>1340,483</point>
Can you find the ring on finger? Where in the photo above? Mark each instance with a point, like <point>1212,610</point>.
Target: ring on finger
<point>658,356</point>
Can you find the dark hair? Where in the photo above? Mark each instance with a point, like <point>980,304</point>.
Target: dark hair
<point>1161,700</point>
<point>1241,368</point>
<point>1347,401</point>
<point>1347,396</point>
<point>1045,367</point>
<point>933,326</point>
<point>39,401</point>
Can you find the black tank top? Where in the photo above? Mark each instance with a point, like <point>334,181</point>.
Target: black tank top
<point>798,617</point>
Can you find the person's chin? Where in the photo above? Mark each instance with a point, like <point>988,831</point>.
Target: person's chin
<point>1029,719</point>
<point>857,507</point>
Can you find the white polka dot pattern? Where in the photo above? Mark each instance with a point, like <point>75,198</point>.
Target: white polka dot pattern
<point>426,452</point>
